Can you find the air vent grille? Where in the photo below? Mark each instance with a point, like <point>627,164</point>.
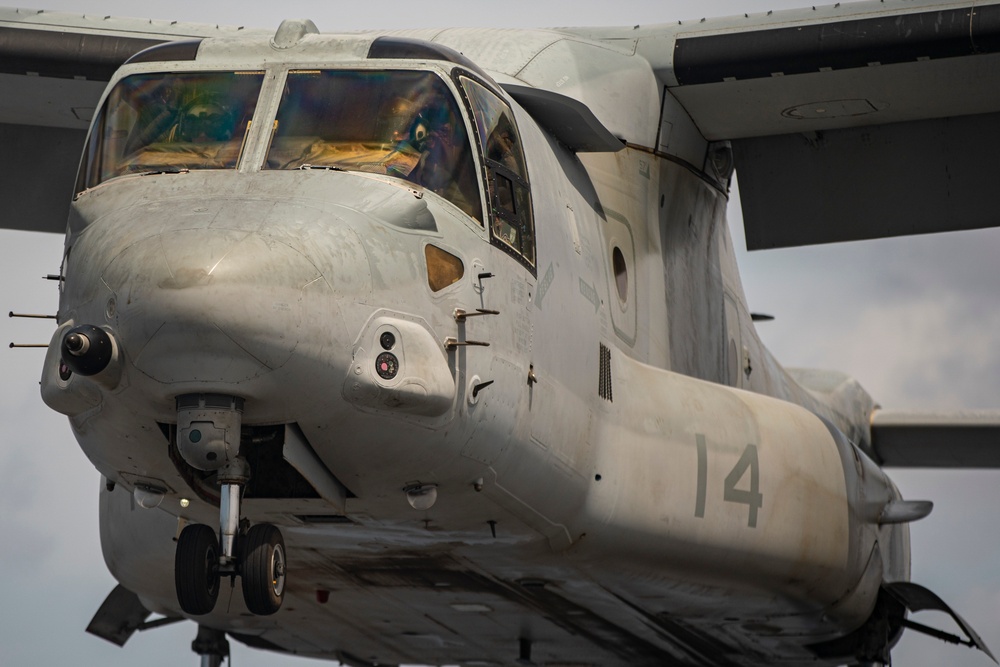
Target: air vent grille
<point>604,381</point>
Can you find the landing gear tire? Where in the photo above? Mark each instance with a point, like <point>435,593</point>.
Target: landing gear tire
<point>196,569</point>
<point>262,568</point>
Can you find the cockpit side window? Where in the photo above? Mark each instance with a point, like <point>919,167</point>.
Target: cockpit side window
<point>171,122</point>
<point>398,123</point>
<point>512,225</point>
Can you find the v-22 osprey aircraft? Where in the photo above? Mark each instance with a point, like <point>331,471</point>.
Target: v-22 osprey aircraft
<point>429,346</point>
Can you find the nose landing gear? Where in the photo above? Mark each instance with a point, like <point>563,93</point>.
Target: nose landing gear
<point>212,646</point>
<point>196,569</point>
<point>262,567</point>
<point>199,568</point>
<point>208,434</point>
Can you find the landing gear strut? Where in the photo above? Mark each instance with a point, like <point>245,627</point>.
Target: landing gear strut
<point>208,437</point>
<point>211,645</point>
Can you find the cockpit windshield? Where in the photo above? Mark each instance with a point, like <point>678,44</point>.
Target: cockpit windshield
<point>170,122</point>
<point>399,123</point>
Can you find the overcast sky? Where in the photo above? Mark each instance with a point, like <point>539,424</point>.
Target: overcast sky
<point>917,321</point>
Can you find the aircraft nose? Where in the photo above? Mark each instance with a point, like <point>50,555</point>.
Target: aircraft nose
<point>216,305</point>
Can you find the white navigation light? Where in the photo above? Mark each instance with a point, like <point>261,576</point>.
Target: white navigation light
<point>147,497</point>
<point>421,496</point>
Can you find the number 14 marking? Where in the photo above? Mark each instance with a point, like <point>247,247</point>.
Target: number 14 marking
<point>752,497</point>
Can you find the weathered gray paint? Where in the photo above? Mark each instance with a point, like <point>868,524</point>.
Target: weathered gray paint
<point>597,527</point>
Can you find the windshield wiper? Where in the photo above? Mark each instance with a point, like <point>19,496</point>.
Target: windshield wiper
<point>164,170</point>
<point>328,167</point>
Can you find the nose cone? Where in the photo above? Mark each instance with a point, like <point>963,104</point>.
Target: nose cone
<point>217,306</point>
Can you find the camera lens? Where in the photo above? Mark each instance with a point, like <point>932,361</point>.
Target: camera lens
<point>387,340</point>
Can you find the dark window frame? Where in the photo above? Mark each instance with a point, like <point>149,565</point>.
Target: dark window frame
<point>491,169</point>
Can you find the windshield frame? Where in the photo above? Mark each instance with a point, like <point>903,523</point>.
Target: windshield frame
<point>500,210</point>
<point>371,144</point>
<point>98,166</point>
<point>257,141</point>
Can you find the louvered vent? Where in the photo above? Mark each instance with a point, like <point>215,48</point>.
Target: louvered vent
<point>604,381</point>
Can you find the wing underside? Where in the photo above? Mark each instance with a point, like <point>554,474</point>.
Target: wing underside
<point>936,440</point>
<point>859,120</point>
<point>53,70</point>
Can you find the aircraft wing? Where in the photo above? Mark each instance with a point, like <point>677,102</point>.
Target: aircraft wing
<point>53,68</point>
<point>936,440</point>
<point>858,120</point>
<point>852,121</point>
